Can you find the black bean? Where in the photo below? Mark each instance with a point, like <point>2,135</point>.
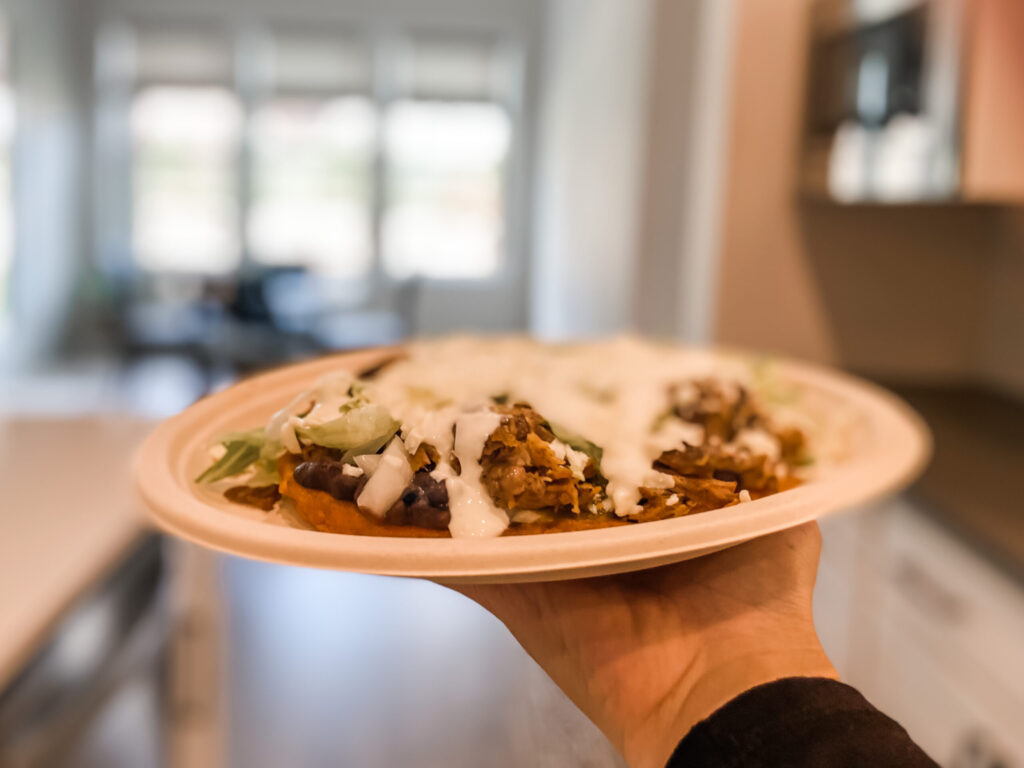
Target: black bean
<point>328,476</point>
<point>426,516</point>
<point>423,503</point>
<point>343,486</point>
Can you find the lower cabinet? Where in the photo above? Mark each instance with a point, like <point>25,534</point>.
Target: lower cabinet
<point>928,631</point>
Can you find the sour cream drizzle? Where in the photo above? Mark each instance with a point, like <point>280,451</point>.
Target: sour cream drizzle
<point>473,512</point>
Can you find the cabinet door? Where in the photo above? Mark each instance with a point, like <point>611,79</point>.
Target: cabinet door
<point>959,727</point>
<point>993,93</point>
<point>945,636</point>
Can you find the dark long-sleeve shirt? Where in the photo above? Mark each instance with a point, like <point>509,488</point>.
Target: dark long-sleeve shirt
<point>798,722</point>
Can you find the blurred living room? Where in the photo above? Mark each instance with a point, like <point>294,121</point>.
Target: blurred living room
<point>195,191</point>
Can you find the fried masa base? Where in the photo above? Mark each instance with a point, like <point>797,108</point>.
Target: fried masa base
<point>326,513</point>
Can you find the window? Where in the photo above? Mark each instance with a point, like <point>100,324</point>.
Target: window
<point>349,156</point>
<point>184,206</point>
<point>446,170</point>
<point>313,144</point>
<point>446,144</point>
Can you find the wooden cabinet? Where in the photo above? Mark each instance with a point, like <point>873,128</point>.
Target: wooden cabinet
<point>992,165</point>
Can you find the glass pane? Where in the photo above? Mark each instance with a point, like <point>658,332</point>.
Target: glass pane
<point>446,210</point>
<point>185,207</point>
<point>312,189</point>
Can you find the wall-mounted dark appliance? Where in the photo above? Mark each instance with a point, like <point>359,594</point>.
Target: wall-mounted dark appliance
<point>883,100</point>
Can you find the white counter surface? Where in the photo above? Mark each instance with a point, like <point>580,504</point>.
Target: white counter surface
<point>68,515</point>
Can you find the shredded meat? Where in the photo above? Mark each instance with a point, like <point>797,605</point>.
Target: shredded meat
<point>706,477</point>
<point>745,470</point>
<point>521,471</point>
<point>723,410</point>
<point>426,457</point>
<point>793,444</point>
<point>262,497</point>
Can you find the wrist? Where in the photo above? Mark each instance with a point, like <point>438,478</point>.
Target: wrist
<point>709,684</point>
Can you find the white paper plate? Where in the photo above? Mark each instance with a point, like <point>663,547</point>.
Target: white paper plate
<point>888,449</point>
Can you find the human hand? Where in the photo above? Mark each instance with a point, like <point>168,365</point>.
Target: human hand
<point>648,655</point>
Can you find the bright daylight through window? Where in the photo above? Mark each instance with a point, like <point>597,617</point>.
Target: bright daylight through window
<point>312,185</point>
<point>445,188</point>
<point>185,207</point>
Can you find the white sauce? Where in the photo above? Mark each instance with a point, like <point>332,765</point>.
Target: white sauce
<point>434,427</point>
<point>673,433</point>
<point>473,512</point>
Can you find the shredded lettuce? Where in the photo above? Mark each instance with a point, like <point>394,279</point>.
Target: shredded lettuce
<point>264,473</point>
<point>364,429</point>
<point>370,446</point>
<point>241,450</point>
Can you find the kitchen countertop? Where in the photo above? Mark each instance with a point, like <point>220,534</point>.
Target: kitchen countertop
<point>69,515</point>
<point>971,484</point>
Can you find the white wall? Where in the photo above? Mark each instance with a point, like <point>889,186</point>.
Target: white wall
<point>590,166</point>
<point>686,148</point>
<point>46,177</point>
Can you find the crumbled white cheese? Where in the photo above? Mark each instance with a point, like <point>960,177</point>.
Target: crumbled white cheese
<point>744,495</point>
<point>658,480</point>
<point>577,460</point>
<point>351,470</point>
<point>368,463</point>
<point>759,442</point>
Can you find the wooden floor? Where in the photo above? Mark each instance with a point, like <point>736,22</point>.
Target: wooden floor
<point>332,669</point>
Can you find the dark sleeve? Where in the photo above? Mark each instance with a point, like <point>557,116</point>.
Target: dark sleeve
<point>798,722</point>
